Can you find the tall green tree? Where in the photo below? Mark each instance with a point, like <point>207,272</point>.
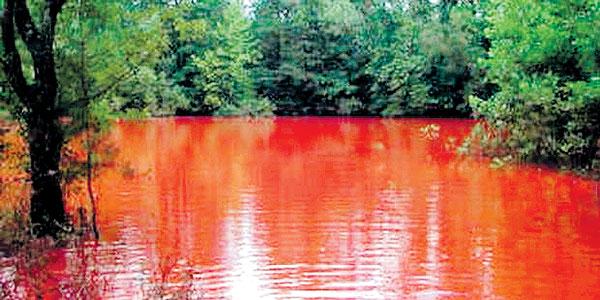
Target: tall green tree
<point>396,66</point>
<point>225,67</point>
<point>187,25</point>
<point>272,26</point>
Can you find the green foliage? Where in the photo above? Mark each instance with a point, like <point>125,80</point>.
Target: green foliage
<point>224,68</point>
<point>320,57</point>
<point>545,60</point>
<point>187,27</point>
<point>146,93</point>
<point>247,107</point>
<point>311,57</point>
<point>423,62</point>
<point>397,68</point>
<point>212,68</point>
<point>4,112</point>
<point>106,52</point>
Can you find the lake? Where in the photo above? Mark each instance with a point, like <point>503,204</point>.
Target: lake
<point>328,208</point>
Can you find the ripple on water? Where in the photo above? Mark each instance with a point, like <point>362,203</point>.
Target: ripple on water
<point>328,208</point>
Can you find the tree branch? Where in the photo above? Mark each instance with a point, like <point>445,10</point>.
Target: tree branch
<point>51,11</point>
<point>27,29</point>
<point>12,60</point>
<point>56,6</point>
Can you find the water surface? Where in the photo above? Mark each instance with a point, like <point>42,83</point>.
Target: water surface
<point>334,208</point>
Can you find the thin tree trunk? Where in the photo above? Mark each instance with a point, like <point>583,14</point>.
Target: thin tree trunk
<point>90,186</point>
<point>88,130</point>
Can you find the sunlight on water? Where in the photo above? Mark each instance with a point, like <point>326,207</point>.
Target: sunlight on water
<point>299,208</point>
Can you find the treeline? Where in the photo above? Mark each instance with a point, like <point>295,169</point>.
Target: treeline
<point>320,57</point>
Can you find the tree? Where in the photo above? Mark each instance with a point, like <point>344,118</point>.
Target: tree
<point>423,61</point>
<point>272,27</point>
<point>39,100</point>
<point>75,81</point>
<point>311,57</point>
<point>186,24</point>
<point>225,67</point>
<point>125,79</point>
<point>397,65</point>
<point>545,59</point>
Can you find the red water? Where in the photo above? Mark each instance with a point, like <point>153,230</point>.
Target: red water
<point>352,208</point>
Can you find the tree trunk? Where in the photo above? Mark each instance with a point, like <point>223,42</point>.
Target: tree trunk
<point>45,140</point>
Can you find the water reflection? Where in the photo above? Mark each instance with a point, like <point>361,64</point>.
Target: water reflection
<point>324,208</point>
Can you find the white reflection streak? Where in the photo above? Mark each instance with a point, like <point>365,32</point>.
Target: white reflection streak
<point>247,281</point>
<point>394,241</point>
<point>488,274</point>
<point>485,256</point>
<point>433,236</point>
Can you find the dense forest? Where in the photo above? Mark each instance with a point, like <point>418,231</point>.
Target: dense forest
<point>529,69</point>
